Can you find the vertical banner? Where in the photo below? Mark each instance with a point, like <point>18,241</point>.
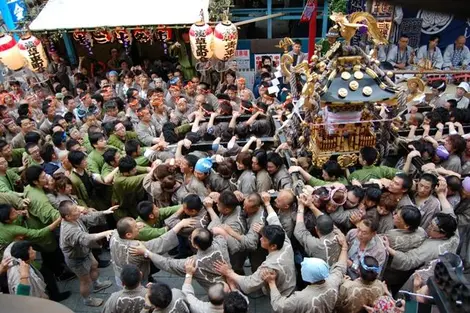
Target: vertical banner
<point>356,6</point>
<point>18,10</point>
<point>310,7</point>
<point>412,28</point>
<point>383,13</point>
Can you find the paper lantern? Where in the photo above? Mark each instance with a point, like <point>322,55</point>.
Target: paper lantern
<point>32,50</point>
<point>225,40</point>
<point>10,54</point>
<point>102,36</point>
<point>85,39</point>
<point>142,35</point>
<point>124,37</point>
<point>201,39</point>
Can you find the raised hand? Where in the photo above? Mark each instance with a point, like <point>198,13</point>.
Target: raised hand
<point>111,210</point>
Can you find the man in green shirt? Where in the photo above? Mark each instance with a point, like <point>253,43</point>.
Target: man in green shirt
<point>8,178</point>
<point>14,157</point>
<point>331,173</point>
<point>41,211</point>
<point>134,150</point>
<point>152,218</point>
<point>119,136</point>
<point>34,154</point>
<point>95,158</point>
<point>13,225</point>
<point>127,188</point>
<point>367,158</point>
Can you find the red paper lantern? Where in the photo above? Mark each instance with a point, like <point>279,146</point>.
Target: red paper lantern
<point>10,54</point>
<point>225,40</point>
<point>201,38</point>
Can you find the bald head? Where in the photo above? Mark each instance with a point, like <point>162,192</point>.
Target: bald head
<point>216,294</point>
<point>124,227</point>
<point>284,200</point>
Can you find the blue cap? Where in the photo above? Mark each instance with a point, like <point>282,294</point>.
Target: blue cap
<point>204,165</point>
<point>314,270</point>
<point>113,73</point>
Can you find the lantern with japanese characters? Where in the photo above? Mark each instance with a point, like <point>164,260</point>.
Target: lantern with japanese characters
<point>124,37</point>
<point>201,39</point>
<point>32,50</point>
<point>143,35</point>
<point>225,40</point>
<point>10,54</point>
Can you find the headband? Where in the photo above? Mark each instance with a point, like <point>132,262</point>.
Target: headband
<point>375,269</point>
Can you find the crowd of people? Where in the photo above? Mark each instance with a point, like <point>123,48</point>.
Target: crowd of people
<point>172,174</point>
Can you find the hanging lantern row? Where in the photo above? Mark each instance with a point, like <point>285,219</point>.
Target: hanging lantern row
<point>85,39</point>
<point>220,42</point>
<point>122,36</point>
<point>29,50</point>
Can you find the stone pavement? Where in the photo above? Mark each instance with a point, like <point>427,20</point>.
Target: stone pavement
<point>260,305</point>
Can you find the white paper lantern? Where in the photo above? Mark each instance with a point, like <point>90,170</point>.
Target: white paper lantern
<point>10,54</point>
<point>225,40</point>
<point>201,38</point>
<point>31,48</point>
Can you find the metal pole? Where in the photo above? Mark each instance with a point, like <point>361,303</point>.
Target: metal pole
<point>270,21</point>
<point>326,8</point>
<point>257,19</point>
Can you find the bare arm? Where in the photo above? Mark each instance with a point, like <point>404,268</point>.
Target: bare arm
<point>212,120</point>
<point>253,118</point>
<point>233,121</point>
<point>411,134</point>
<point>110,177</point>
<point>246,147</point>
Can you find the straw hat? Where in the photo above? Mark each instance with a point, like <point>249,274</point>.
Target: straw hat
<point>417,81</point>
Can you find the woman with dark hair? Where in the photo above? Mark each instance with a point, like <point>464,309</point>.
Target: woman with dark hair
<point>160,184</point>
<point>455,145</point>
<point>228,79</point>
<point>247,181</point>
<point>259,162</point>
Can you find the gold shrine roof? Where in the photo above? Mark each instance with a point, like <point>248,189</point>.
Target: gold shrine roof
<point>356,86</point>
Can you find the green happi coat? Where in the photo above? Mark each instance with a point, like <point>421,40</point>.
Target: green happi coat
<point>373,172</point>
<point>127,192</point>
<point>8,182</point>
<point>118,143</point>
<point>151,231</point>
